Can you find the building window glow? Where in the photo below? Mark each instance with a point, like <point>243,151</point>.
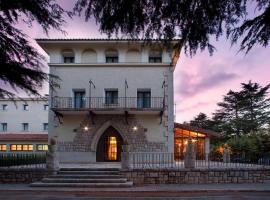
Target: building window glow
<point>21,147</point>
<point>112,148</point>
<point>42,147</point>
<point>3,147</point>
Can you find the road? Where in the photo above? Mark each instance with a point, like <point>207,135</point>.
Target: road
<point>37,195</point>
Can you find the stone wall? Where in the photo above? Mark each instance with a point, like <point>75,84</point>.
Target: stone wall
<point>197,176</point>
<point>84,140</point>
<point>22,175</point>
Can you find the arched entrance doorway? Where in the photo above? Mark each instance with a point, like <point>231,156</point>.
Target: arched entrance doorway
<point>109,146</point>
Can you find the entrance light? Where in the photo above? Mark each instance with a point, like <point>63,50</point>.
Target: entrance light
<point>86,128</point>
<point>135,128</point>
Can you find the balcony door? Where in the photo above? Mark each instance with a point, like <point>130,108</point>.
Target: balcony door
<point>79,99</point>
<point>144,99</point>
<point>111,97</point>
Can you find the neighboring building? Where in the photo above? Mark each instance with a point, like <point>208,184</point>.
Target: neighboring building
<point>200,138</point>
<point>23,125</point>
<point>112,92</point>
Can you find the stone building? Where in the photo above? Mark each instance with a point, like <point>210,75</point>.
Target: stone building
<point>111,92</point>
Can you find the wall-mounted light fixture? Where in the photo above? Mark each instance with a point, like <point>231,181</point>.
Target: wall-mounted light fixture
<point>135,128</point>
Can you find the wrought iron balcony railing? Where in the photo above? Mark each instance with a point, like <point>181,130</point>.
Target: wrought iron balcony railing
<point>102,103</point>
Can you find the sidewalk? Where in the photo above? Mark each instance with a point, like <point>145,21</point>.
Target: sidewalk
<point>258,187</point>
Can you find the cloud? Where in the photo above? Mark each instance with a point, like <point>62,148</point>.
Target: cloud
<point>192,84</point>
<point>192,107</point>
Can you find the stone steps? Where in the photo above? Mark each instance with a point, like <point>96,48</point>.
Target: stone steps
<point>83,185</point>
<point>85,180</point>
<point>85,177</point>
<point>91,172</point>
<point>81,176</point>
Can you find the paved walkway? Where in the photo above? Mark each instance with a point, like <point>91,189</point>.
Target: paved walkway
<point>258,187</point>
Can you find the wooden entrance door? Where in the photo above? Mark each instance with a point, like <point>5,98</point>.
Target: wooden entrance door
<point>109,146</point>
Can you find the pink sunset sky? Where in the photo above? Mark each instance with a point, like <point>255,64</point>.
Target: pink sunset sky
<point>199,82</point>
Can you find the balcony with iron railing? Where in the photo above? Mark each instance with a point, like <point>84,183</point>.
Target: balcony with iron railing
<point>107,104</point>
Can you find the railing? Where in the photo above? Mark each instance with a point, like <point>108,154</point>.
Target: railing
<point>29,160</point>
<point>157,160</point>
<point>108,103</point>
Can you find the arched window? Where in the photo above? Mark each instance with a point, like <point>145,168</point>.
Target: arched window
<point>133,55</point>
<point>111,56</point>
<point>68,56</point>
<point>89,56</point>
<point>155,56</point>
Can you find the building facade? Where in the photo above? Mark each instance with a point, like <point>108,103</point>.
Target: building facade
<point>109,93</point>
<point>24,125</point>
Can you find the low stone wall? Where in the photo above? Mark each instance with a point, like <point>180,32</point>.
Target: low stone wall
<point>22,175</point>
<point>197,176</point>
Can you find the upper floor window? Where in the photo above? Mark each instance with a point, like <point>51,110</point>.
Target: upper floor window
<point>45,126</point>
<point>25,107</point>
<point>68,56</point>
<point>79,98</point>
<point>111,56</point>
<point>155,56</point>
<point>25,127</point>
<point>144,99</point>
<point>111,96</point>
<point>45,107</point>
<point>3,127</point>
<point>4,107</point>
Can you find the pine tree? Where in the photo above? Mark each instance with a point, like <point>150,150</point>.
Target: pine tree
<point>21,64</point>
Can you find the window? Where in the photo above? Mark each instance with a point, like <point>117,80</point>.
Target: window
<point>144,99</point>
<point>25,126</point>
<point>155,56</point>
<point>4,107</point>
<point>3,147</point>
<point>3,127</point>
<point>42,147</point>
<point>21,147</point>
<point>111,96</point>
<point>68,56</point>
<point>79,99</point>
<point>45,126</point>
<point>25,107</point>
<point>45,107</point>
<point>111,56</point>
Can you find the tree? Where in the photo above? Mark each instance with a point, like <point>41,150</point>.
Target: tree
<point>245,111</point>
<point>21,64</point>
<point>229,113</point>
<point>202,121</point>
<point>193,21</point>
<point>256,104</point>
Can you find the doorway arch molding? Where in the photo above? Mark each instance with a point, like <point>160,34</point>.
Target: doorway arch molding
<point>102,129</point>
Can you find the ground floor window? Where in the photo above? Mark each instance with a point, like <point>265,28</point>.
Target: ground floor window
<point>42,147</point>
<point>3,147</point>
<point>181,138</point>
<point>21,147</point>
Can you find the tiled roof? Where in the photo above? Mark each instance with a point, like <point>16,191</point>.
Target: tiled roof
<point>197,129</point>
<point>23,137</point>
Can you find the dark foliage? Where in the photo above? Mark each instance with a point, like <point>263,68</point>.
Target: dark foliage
<point>193,21</point>
<point>21,65</point>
